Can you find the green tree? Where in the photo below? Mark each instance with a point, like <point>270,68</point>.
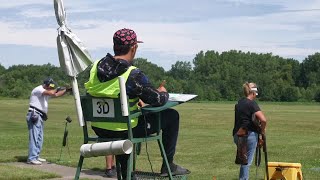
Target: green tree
<point>317,96</point>
<point>2,69</point>
<point>154,72</point>
<point>180,70</point>
<point>290,94</point>
<point>211,75</point>
<point>311,70</point>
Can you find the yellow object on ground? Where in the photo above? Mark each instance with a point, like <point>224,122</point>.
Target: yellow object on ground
<point>284,171</point>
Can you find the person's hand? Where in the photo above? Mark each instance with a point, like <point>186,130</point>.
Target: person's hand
<point>69,89</point>
<point>141,103</point>
<point>163,83</point>
<point>60,89</point>
<point>161,88</point>
<point>260,142</point>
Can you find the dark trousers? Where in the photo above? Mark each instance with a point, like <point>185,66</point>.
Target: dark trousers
<point>147,125</point>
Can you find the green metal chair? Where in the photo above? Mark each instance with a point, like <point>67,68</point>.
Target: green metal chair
<point>97,109</point>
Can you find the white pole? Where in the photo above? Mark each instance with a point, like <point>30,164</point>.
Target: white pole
<point>123,96</point>
<point>76,96</point>
<point>106,148</point>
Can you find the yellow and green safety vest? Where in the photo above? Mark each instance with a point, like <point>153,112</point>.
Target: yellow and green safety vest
<point>110,89</point>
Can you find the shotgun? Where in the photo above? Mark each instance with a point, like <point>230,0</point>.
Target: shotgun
<point>265,154</point>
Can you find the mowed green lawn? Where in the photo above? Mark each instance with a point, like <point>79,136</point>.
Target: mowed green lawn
<point>205,144</point>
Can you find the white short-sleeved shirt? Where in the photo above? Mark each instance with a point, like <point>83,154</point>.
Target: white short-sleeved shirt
<point>38,100</point>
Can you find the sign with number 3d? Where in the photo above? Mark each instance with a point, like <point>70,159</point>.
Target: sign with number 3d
<point>102,108</point>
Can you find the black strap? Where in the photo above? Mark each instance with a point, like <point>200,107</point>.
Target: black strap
<point>41,113</point>
<point>32,107</point>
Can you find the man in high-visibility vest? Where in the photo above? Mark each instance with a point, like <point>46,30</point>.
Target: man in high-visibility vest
<point>103,83</point>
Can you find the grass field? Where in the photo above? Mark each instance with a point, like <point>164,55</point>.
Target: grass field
<point>205,143</point>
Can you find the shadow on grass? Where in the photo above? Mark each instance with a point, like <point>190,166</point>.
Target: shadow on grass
<point>97,169</point>
<point>94,171</point>
<point>21,158</point>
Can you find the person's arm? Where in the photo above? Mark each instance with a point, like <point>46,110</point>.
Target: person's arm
<point>139,85</point>
<point>263,121</point>
<point>260,116</point>
<point>54,92</point>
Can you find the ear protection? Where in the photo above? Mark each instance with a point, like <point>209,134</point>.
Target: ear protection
<point>49,83</point>
<point>255,90</point>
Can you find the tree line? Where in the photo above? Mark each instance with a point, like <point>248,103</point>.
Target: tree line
<point>213,76</point>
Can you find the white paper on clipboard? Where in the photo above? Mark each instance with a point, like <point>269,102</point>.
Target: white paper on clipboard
<point>181,97</point>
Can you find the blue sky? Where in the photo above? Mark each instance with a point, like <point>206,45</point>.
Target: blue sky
<point>172,30</point>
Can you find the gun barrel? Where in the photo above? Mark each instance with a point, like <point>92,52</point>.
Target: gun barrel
<point>265,154</point>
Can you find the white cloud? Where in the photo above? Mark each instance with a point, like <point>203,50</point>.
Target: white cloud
<point>14,33</point>
<point>36,13</point>
<point>15,3</point>
<point>268,33</point>
<point>277,32</point>
<point>262,34</point>
<point>286,4</point>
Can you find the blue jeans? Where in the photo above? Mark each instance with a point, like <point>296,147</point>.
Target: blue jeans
<point>252,144</point>
<point>35,136</point>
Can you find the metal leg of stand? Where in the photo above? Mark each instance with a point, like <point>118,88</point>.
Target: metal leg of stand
<point>164,156</point>
<point>79,168</point>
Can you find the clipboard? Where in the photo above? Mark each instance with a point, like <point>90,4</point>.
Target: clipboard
<point>175,97</point>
